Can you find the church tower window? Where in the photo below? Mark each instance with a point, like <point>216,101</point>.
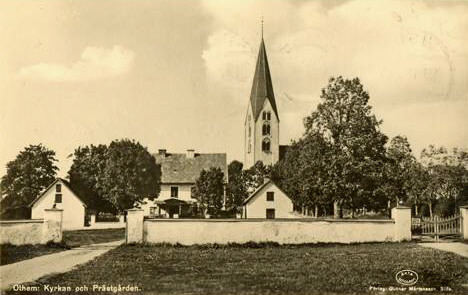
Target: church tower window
<point>266,129</point>
<point>266,145</point>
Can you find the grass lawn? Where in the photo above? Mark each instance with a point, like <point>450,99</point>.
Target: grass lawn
<point>94,236</point>
<point>11,253</point>
<point>76,238</point>
<point>304,269</point>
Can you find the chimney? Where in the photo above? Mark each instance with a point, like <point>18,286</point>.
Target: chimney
<point>162,152</point>
<point>190,153</point>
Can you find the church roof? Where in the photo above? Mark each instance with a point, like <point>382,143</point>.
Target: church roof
<point>262,87</point>
<point>178,168</point>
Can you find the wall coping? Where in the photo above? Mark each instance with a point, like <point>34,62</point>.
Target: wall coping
<point>271,220</point>
<point>21,221</point>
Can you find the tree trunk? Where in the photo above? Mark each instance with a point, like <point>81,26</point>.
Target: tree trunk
<point>416,211</point>
<point>325,211</point>
<point>316,211</point>
<point>430,209</point>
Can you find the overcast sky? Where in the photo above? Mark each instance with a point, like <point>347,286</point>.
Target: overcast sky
<point>177,74</point>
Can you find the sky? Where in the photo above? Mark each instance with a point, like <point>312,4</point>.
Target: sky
<point>177,74</point>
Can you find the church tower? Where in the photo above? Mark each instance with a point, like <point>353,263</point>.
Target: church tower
<point>261,141</point>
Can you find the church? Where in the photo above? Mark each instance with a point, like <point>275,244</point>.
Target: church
<point>262,123</point>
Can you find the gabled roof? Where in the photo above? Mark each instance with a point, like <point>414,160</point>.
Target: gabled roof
<point>262,87</point>
<point>65,183</point>
<point>178,168</point>
<point>260,188</point>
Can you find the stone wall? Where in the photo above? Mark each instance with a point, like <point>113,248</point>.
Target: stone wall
<point>33,231</point>
<point>282,231</point>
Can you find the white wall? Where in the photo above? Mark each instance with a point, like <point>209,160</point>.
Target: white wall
<point>185,193</point>
<point>37,231</point>
<point>256,208</point>
<point>291,231</point>
<point>73,208</point>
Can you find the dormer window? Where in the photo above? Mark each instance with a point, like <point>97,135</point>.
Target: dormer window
<point>266,129</point>
<point>266,145</point>
<point>58,188</point>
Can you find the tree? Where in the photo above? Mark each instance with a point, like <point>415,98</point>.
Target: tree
<point>87,169</point>
<point>236,190</point>
<point>447,175</point>
<point>115,177</point>
<point>209,190</point>
<point>31,172</point>
<point>130,174</point>
<point>398,170</point>
<point>345,121</point>
<point>255,176</point>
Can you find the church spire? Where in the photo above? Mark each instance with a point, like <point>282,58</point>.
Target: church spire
<point>262,87</point>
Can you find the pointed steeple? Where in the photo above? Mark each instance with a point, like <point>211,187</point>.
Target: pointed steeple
<point>262,87</point>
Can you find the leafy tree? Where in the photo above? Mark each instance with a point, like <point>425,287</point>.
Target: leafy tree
<point>447,175</point>
<point>130,174</point>
<point>209,190</point>
<point>345,121</point>
<point>255,176</point>
<point>31,172</point>
<point>87,169</point>
<point>115,177</point>
<point>397,173</point>
<point>236,190</point>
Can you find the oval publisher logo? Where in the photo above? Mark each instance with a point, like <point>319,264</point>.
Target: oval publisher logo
<point>406,277</point>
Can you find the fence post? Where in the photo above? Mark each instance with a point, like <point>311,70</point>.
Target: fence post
<point>134,226</point>
<point>464,222</point>
<point>402,217</point>
<point>52,227</point>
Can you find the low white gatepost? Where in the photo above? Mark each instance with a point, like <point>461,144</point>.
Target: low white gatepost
<point>402,217</point>
<point>134,227</point>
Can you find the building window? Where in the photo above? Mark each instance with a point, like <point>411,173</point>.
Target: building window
<point>264,115</point>
<point>250,130</point>
<point>266,145</point>
<point>270,213</point>
<point>268,115</point>
<point>58,188</point>
<point>153,210</point>
<point>270,196</point>
<point>174,192</point>
<point>266,129</point>
<point>249,148</point>
<point>58,198</point>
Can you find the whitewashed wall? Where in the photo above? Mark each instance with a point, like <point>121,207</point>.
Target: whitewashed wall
<point>22,232</point>
<point>188,232</point>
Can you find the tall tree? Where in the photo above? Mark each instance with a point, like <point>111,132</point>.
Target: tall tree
<point>115,177</point>
<point>236,190</point>
<point>397,173</point>
<point>447,175</point>
<point>130,174</point>
<point>345,120</point>
<point>209,190</point>
<point>87,169</point>
<point>31,172</point>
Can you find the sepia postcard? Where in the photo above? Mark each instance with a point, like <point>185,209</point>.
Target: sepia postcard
<point>233,147</point>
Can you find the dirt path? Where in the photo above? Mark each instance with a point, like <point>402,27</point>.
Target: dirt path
<point>35,268</point>
<point>457,248</point>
